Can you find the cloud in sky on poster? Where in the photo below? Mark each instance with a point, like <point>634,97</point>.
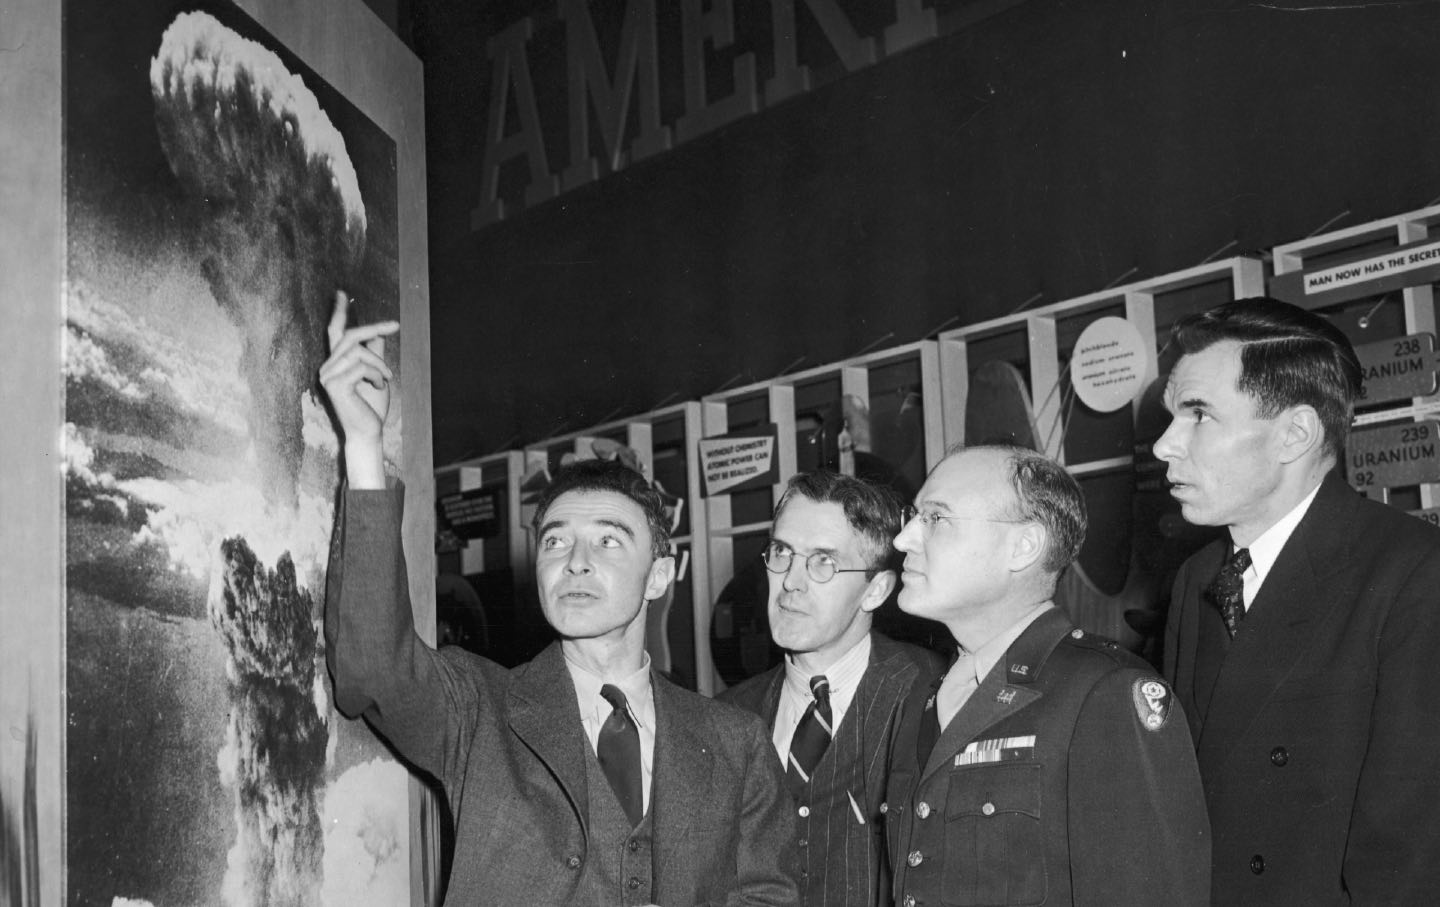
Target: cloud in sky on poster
<point>281,220</point>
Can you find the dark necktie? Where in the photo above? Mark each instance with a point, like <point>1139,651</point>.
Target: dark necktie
<point>812,736</point>
<point>1227,590</point>
<point>618,750</point>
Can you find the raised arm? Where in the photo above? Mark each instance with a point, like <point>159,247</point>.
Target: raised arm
<point>424,702</point>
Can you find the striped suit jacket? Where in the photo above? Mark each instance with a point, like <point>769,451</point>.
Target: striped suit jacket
<point>841,859</point>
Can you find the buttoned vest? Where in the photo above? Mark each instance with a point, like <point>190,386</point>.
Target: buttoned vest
<point>619,868</point>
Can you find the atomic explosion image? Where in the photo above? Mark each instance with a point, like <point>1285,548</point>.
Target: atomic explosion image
<point>214,209</point>
<point>282,226</point>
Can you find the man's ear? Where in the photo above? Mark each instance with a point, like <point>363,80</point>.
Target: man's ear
<point>1029,546</point>
<point>1301,432</point>
<point>662,574</point>
<point>879,589</point>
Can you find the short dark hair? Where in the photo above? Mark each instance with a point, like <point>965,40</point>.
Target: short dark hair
<point>1289,356</point>
<point>1047,494</point>
<point>614,477</point>
<point>872,510</point>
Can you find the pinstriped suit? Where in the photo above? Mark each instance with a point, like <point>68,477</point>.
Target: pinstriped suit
<point>841,862</point>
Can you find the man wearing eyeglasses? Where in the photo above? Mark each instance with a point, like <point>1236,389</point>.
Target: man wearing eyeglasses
<point>831,704</point>
<point>1048,765</point>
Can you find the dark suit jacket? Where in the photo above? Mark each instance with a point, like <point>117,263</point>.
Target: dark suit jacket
<point>844,861</point>
<point>509,748</point>
<point>1318,731</point>
<point>1066,778</point>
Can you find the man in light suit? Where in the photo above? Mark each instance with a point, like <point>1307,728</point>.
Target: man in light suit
<point>582,777</point>
<point>1049,766</point>
<point>829,562</point>
<point>1302,646</point>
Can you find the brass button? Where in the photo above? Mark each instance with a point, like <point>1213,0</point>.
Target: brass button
<point>1279,756</point>
<point>634,882</point>
<point>572,861</point>
<point>884,808</point>
<point>915,858</point>
<point>803,842</point>
<point>923,810</point>
<point>909,900</point>
<point>988,809</point>
<point>804,812</point>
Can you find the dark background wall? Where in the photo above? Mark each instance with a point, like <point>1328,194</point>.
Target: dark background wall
<point>1046,147</point>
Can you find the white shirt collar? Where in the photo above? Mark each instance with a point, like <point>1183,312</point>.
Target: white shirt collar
<point>1265,550</point>
<point>636,687</point>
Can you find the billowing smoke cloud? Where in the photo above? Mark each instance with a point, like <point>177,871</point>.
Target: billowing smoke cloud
<point>275,749</point>
<point>282,223</point>
<point>367,836</point>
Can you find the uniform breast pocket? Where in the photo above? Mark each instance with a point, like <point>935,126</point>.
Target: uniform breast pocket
<point>994,841</point>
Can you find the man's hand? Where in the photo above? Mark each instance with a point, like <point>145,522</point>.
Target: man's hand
<point>357,381</point>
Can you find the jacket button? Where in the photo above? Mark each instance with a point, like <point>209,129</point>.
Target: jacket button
<point>884,808</point>
<point>572,861</point>
<point>915,858</point>
<point>634,882</point>
<point>1257,864</point>
<point>633,845</point>
<point>804,812</point>
<point>1279,756</point>
<point>988,809</point>
<point>803,842</point>
<point>923,810</point>
<point>909,900</point>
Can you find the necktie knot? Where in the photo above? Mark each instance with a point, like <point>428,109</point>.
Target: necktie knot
<point>614,695</point>
<point>1239,561</point>
<point>820,688</point>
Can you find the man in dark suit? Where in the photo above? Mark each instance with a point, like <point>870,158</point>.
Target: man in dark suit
<point>1303,646</point>
<point>829,570</point>
<point>582,777</point>
<point>1049,766</point>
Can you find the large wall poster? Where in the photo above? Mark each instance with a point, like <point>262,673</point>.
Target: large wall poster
<point>218,193</point>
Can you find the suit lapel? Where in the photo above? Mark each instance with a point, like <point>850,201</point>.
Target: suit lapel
<point>683,766</point>
<point>1281,622</point>
<point>545,715</point>
<point>770,705</point>
<point>1005,690</point>
<point>876,696</point>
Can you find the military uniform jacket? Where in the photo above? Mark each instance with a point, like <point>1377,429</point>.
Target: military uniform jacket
<point>1318,726</point>
<point>841,858</point>
<point>1067,778</point>
<point>510,751</point>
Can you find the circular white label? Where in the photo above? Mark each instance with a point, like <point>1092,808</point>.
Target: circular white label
<point>1107,366</point>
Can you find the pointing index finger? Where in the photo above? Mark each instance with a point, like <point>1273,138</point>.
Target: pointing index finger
<point>336,328</point>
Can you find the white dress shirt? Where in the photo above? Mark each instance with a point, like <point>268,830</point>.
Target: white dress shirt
<point>1266,549</point>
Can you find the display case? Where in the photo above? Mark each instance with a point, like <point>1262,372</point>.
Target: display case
<point>1376,282</point>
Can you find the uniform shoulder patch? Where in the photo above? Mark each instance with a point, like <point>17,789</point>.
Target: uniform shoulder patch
<point>1153,701</point>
